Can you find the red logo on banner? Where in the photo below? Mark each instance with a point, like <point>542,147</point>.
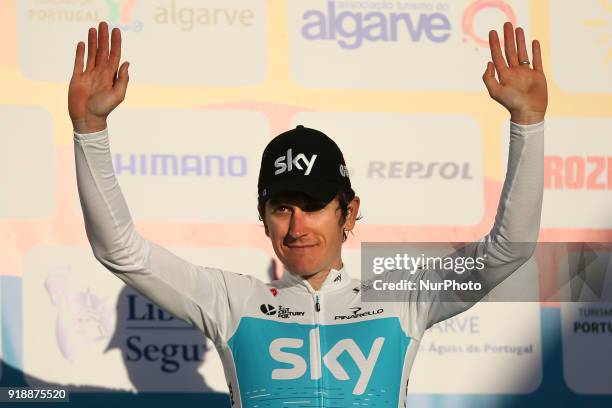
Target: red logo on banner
<point>578,173</point>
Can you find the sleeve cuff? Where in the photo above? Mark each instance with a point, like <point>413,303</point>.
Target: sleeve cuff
<point>80,137</point>
<point>531,128</point>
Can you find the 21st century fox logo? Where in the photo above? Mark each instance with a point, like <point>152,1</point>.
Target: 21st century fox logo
<point>281,312</point>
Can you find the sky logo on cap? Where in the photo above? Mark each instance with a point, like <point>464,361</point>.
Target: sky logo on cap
<point>287,162</point>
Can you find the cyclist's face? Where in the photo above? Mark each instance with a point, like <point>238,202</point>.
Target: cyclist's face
<point>307,234</point>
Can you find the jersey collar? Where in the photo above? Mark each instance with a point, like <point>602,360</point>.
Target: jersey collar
<point>336,279</point>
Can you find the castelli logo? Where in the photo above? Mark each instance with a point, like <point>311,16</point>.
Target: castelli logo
<point>274,291</point>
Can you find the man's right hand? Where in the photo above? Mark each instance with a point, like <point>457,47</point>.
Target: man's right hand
<point>95,92</point>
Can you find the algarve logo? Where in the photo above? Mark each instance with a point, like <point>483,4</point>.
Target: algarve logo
<point>470,13</point>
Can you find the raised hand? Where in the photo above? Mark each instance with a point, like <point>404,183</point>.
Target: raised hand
<point>518,87</point>
<point>95,92</point>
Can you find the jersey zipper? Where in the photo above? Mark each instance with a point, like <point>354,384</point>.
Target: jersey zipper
<point>317,304</point>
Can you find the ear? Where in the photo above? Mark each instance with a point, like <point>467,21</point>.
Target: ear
<point>353,211</point>
<point>261,211</point>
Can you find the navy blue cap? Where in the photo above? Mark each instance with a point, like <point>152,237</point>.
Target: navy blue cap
<point>302,160</point>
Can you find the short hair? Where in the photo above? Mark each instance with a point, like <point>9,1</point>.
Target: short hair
<point>345,195</point>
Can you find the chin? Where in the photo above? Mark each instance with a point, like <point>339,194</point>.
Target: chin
<point>302,270</point>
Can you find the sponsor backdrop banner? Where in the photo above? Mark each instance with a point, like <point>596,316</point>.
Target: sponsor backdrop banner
<point>397,84</point>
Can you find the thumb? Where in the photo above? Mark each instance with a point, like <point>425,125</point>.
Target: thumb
<point>120,86</point>
<point>489,79</point>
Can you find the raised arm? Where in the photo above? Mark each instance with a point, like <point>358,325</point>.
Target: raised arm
<point>192,293</point>
<point>523,91</point>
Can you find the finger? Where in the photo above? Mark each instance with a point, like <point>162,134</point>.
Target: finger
<point>537,56</point>
<point>510,45</point>
<point>102,54</point>
<point>489,79</point>
<point>496,54</point>
<point>521,47</point>
<point>92,48</point>
<point>120,86</point>
<point>78,58</point>
<point>115,52</point>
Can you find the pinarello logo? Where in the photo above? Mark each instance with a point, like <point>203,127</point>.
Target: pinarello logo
<point>355,309</point>
<point>274,291</point>
<point>467,23</point>
<point>268,310</point>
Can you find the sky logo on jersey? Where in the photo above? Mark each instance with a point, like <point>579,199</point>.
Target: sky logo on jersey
<point>279,352</point>
<point>333,24</point>
<point>356,360</point>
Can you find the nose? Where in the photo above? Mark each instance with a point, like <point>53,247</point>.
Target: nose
<point>297,225</point>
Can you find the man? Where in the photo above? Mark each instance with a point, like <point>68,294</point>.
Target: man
<point>287,343</point>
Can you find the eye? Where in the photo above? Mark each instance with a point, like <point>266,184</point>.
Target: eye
<point>281,209</point>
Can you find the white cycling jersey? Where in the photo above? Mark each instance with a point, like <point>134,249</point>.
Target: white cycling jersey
<point>282,343</point>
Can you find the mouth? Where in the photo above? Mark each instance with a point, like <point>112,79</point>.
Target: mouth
<point>300,248</point>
